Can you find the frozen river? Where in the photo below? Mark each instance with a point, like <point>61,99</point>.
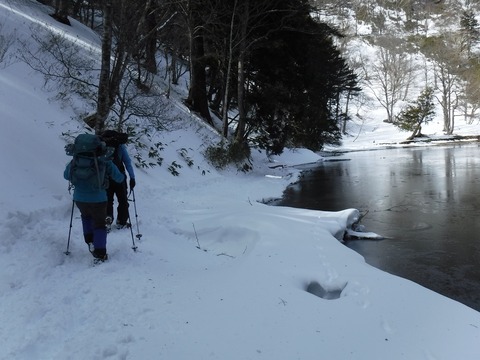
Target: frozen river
<point>425,201</point>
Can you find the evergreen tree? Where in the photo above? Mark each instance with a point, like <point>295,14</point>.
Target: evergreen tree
<point>420,112</point>
<point>295,78</point>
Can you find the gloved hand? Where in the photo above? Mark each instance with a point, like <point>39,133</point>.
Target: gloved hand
<point>132,183</point>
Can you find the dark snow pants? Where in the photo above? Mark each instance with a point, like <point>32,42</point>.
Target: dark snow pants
<point>120,191</point>
<point>93,222</point>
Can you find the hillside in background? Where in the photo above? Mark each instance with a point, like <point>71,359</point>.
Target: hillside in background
<point>396,49</point>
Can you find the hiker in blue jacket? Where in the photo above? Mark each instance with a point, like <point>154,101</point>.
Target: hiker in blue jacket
<point>122,160</point>
<point>92,203</point>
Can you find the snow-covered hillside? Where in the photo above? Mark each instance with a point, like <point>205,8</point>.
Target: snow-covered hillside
<point>383,44</point>
<point>217,274</point>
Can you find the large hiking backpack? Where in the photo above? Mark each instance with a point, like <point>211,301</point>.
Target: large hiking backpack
<point>88,169</point>
<point>114,138</point>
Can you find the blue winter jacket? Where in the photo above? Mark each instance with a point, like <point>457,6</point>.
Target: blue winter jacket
<point>94,196</point>
<point>125,159</point>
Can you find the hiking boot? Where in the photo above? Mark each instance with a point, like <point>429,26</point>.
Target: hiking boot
<point>108,223</point>
<point>97,261</point>
<point>122,226</point>
<point>100,254</point>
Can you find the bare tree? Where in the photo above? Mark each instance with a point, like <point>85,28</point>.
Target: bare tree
<point>131,102</point>
<point>445,53</point>
<point>447,82</point>
<point>393,75</point>
<point>125,22</point>
<point>68,68</point>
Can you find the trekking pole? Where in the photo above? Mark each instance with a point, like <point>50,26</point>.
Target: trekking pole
<point>138,236</point>
<point>134,247</point>
<point>70,230</point>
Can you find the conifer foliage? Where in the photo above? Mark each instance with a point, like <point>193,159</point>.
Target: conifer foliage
<point>415,115</point>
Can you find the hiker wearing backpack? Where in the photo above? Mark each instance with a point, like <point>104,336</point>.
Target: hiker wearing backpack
<point>121,159</point>
<point>89,173</point>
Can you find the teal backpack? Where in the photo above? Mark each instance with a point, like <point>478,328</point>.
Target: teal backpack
<point>88,168</point>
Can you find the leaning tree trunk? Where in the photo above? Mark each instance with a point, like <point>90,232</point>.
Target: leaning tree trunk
<point>416,132</point>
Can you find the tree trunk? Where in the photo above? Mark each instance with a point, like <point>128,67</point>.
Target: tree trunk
<point>103,103</point>
<point>242,119</point>
<point>121,58</point>
<point>122,54</point>
<point>151,40</point>
<point>227,75</point>
<point>61,11</point>
<point>197,93</point>
<point>345,118</point>
<point>416,132</point>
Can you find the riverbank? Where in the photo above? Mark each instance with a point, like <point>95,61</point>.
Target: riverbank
<point>423,141</point>
<point>423,200</point>
<point>373,133</point>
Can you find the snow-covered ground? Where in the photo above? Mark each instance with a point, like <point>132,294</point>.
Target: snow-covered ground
<point>217,274</point>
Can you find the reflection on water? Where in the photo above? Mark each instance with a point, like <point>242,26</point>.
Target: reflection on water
<point>425,201</point>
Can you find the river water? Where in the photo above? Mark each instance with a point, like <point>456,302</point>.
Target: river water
<point>424,201</point>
